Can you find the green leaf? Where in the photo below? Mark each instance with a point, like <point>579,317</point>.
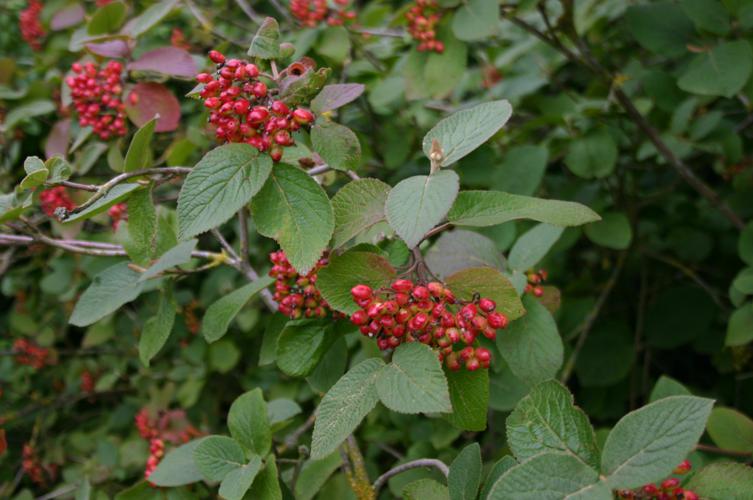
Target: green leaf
<point>743,282</point>
<point>613,231</point>
<point>21,113</point>
<point>707,15</point>
<point>460,249</point>
<point>521,170</point>
<point>489,208</point>
<point>219,315</point>
<point>435,75</point>
<point>500,467</point>
<point>314,474</point>
<point>107,19</point>
<point>740,326</point>
<point>157,328</point>
<point>476,20</point>
<point>722,480</point>
<point>531,345</point>
<point>178,467</point>
<point>335,96</point>
<point>357,206</point>
<point>294,210</point>
<point>548,420</point>
<point>646,444</point>
<point>149,18</point>
<point>216,456</point>
<point>417,204</point>
<point>248,422</point>
<point>348,270</point>
<point>333,363</point>
<point>59,169</point>
<point>110,289</point>
<point>425,489</point>
<point>220,185</point>
<point>114,196</point>
<point>84,491</point>
<point>179,254</point>
<point>547,476</point>
<point>465,473</point>
<point>667,386</point>
<point>465,130</point>
<point>593,156</point>
<point>266,486</point>
<point>730,429</point>
<point>469,395</point>
<point>141,245</point>
<point>301,345</point>
<point>723,71</point>
<point>337,145</point>
<point>344,406</point>
<point>532,246</point>
<point>489,283</point>
<point>36,173</point>
<point>139,152</point>
<point>661,27</point>
<point>414,381</point>
<point>334,44</point>
<point>266,41</point>
<point>238,481</point>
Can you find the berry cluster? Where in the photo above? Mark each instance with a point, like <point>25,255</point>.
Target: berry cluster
<point>54,198</point>
<point>311,12</point>
<point>30,25</point>
<point>423,18</point>
<point>242,109</point>
<point>535,279</point>
<point>408,312</point>
<point>96,94</point>
<point>297,295</point>
<point>27,352</point>
<point>33,467</point>
<point>669,489</point>
<point>118,213</point>
<point>171,426</point>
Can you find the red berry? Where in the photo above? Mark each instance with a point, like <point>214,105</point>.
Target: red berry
<point>362,291</point>
<point>683,468</point>
<point>487,305</point>
<point>497,320</point>
<point>670,483</point>
<point>303,116</point>
<point>216,57</point>
<point>402,286</point>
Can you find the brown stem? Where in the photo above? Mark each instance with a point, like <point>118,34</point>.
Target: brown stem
<point>422,462</point>
<point>721,451</point>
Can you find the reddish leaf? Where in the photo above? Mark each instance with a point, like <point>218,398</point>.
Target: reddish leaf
<point>110,48</point>
<point>337,95</point>
<point>57,141</point>
<point>166,60</point>
<point>3,442</point>
<point>68,16</point>
<point>152,99</point>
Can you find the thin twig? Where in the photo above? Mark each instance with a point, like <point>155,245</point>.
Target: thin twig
<point>721,451</point>
<point>292,438</point>
<point>82,247</point>
<point>107,186</point>
<point>588,323</point>
<point>243,233</point>
<point>415,464</point>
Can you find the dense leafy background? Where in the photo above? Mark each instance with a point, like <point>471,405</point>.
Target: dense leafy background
<point>640,111</point>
